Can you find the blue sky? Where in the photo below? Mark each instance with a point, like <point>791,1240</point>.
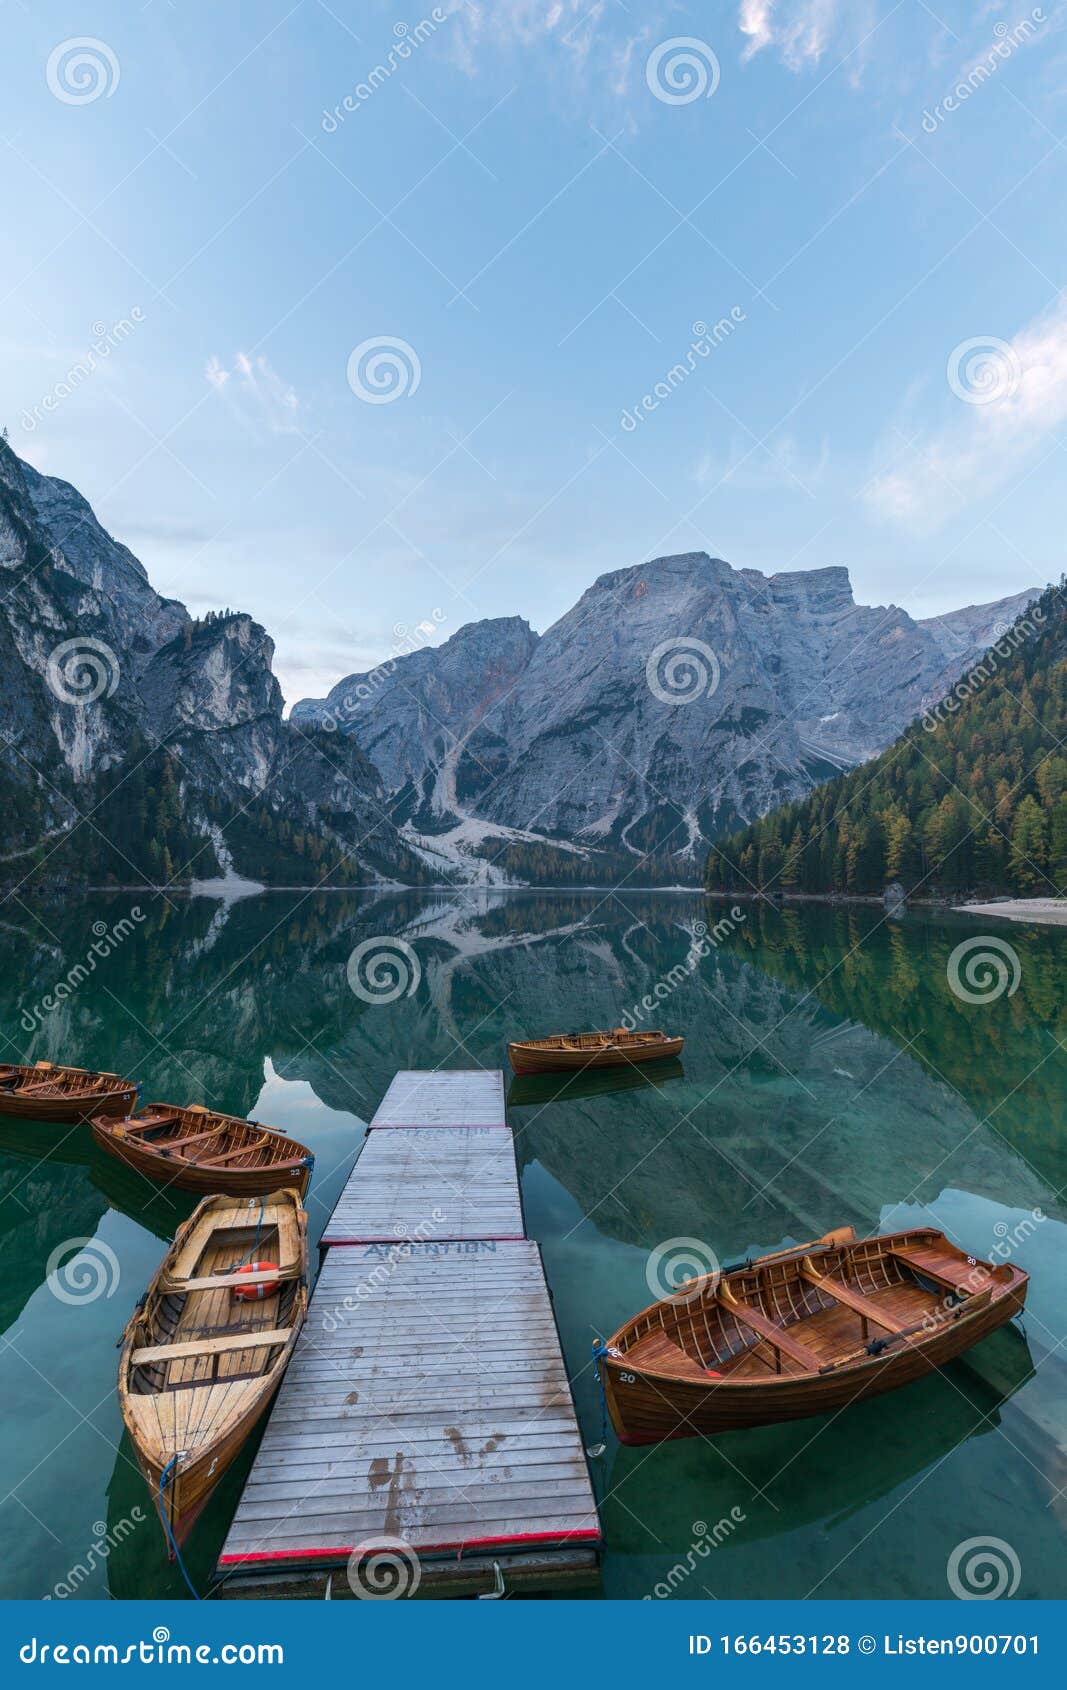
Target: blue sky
<point>513,207</point>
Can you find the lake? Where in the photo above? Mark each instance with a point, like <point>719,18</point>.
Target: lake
<point>835,1071</point>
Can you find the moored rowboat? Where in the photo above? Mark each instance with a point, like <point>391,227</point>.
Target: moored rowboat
<point>569,1052</point>
<point>205,1351</point>
<point>48,1092</point>
<point>195,1149</point>
<point>804,1331</point>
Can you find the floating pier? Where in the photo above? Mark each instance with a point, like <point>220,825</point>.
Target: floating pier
<point>426,1415</point>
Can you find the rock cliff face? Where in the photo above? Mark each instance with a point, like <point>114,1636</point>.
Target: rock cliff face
<point>101,678</point>
<point>674,700</point>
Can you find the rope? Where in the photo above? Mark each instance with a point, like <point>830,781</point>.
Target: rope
<point>173,1462</point>
<point>601,1349</point>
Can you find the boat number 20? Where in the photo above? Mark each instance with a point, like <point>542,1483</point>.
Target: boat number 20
<point>627,1379</point>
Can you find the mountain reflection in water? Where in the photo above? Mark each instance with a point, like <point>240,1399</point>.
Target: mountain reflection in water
<point>830,1076</point>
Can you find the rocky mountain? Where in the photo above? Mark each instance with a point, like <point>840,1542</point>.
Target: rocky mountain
<point>970,798</point>
<point>166,733</point>
<point>675,701</point>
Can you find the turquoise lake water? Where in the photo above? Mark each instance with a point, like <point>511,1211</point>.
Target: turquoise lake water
<point>831,1075</point>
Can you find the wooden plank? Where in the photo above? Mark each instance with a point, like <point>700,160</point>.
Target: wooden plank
<point>954,1275</point>
<point>573,1568</point>
<point>233,1281</point>
<point>430,1183</point>
<point>395,1419</point>
<point>210,1346</point>
<point>850,1299</point>
<point>781,1340</point>
<point>443,1098</point>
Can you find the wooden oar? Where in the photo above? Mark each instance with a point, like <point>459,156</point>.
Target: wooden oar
<point>879,1345</point>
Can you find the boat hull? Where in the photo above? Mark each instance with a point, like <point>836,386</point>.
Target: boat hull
<point>528,1059</point>
<point>199,1369</point>
<point>197,1483</point>
<point>65,1110</point>
<point>185,1175</point>
<point>647,1407</point>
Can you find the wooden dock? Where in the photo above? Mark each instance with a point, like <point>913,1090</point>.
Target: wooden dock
<point>426,1415</point>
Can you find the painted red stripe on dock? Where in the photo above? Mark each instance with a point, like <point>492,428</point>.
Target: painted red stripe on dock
<point>441,1127</point>
<point>399,1238</point>
<point>464,1544</point>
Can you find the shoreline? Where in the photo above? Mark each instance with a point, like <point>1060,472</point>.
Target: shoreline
<point>1040,912</point>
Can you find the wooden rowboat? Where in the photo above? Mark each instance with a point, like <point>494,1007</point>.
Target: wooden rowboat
<point>566,1052</point>
<point>200,1361</point>
<point>46,1092</point>
<point>804,1331</point>
<point>195,1149</point>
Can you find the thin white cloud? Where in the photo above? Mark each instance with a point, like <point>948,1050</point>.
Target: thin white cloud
<point>781,464</point>
<point>1010,399</point>
<point>256,393</point>
<point>804,31</point>
<point>573,23</point>
<point>605,40</point>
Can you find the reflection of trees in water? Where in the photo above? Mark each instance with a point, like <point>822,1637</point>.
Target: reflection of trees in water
<point>1001,1056</point>
<point>785,1117</point>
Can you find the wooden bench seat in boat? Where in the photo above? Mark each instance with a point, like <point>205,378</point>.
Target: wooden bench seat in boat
<point>776,1335</point>
<point>865,1307</point>
<point>933,1264</point>
<point>193,1138</point>
<point>242,1150</point>
<point>209,1346</point>
<point>232,1281</point>
<point>805,1330</point>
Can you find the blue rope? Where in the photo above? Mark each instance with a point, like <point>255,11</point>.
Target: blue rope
<point>166,1527</point>
<point>601,1349</point>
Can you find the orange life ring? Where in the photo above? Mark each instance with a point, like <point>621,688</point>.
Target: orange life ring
<point>256,1293</point>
